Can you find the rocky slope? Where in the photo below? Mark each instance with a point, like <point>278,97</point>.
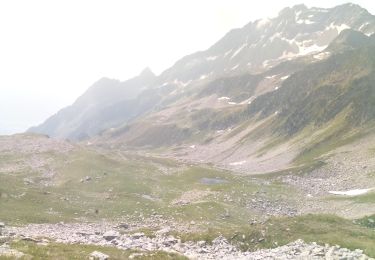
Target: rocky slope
<point>220,248</point>
<point>266,122</point>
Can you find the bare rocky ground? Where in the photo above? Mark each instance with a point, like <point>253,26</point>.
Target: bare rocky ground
<point>346,169</point>
<point>104,234</point>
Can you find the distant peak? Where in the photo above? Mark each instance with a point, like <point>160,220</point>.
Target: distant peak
<point>104,80</point>
<point>300,7</point>
<point>147,72</point>
<point>289,12</point>
<point>350,7</point>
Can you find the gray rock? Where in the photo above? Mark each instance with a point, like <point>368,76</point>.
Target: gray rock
<point>110,235</point>
<point>123,225</point>
<point>138,235</point>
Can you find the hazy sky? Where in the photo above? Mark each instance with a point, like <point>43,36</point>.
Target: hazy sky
<point>52,51</point>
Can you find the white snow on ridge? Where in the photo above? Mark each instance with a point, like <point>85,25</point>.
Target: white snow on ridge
<point>363,26</point>
<point>237,163</point>
<point>304,21</point>
<point>181,83</point>
<point>203,76</point>
<point>211,58</point>
<point>322,55</point>
<point>355,192</point>
<point>271,77</point>
<point>235,67</point>
<point>223,98</point>
<point>304,50</point>
<point>248,101</point>
<point>298,14</point>
<point>227,53</point>
<point>339,28</point>
<point>238,50</point>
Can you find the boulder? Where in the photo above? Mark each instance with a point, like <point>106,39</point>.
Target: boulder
<point>110,235</point>
<point>137,235</point>
<point>96,255</point>
<point>123,225</point>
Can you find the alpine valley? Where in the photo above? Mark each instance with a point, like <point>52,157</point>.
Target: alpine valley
<point>260,147</point>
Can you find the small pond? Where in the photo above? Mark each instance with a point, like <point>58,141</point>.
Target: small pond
<point>212,181</point>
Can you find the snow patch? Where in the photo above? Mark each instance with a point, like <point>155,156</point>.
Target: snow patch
<point>232,103</point>
<point>235,67</point>
<point>238,50</point>
<point>304,21</point>
<point>322,55</point>
<point>271,77</point>
<point>339,28</point>
<point>192,146</point>
<point>266,63</point>
<point>237,163</point>
<point>181,83</point>
<point>363,26</point>
<point>298,14</point>
<point>228,52</point>
<point>223,98</point>
<point>203,76</point>
<point>212,58</point>
<point>355,192</point>
<point>307,49</point>
<point>285,77</point>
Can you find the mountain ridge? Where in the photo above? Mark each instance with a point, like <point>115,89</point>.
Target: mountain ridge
<point>239,114</point>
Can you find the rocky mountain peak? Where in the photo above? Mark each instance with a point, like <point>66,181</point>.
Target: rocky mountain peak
<point>147,73</point>
<point>297,31</point>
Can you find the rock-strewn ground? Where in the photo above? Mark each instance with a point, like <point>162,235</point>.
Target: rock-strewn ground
<point>220,248</point>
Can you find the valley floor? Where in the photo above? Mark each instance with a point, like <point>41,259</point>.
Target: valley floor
<point>54,193</point>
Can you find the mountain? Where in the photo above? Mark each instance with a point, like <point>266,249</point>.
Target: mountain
<point>263,98</point>
<point>105,104</point>
<point>296,31</point>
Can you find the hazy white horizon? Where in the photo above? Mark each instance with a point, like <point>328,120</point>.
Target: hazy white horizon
<point>52,51</point>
